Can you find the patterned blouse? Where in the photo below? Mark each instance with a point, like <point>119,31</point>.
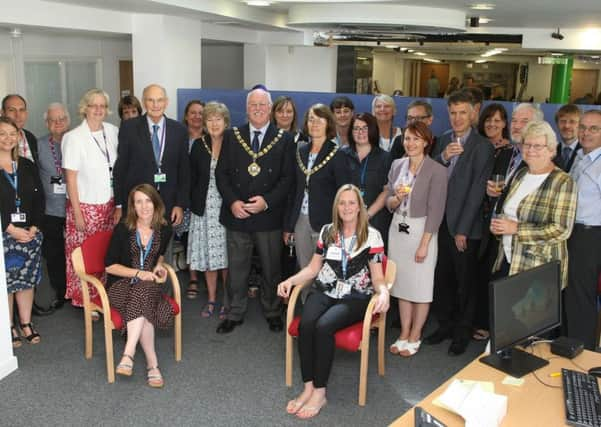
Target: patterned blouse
<point>356,283</point>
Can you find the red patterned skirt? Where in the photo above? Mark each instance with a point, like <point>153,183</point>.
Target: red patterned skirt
<point>97,218</point>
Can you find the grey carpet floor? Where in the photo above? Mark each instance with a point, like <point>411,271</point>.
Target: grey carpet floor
<point>231,380</point>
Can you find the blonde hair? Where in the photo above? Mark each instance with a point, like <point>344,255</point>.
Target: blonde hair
<point>362,221</point>
<point>541,128</point>
<point>215,108</point>
<point>87,98</point>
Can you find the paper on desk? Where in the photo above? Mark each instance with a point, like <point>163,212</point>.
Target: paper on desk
<point>477,406</point>
<point>485,385</point>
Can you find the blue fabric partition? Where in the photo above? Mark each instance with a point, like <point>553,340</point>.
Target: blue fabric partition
<point>236,102</point>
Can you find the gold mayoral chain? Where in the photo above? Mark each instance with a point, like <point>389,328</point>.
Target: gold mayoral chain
<point>314,169</point>
<point>254,169</point>
<point>202,138</point>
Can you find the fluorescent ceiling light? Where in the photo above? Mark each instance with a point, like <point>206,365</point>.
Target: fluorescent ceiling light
<point>391,46</point>
<point>410,50</point>
<point>480,61</point>
<point>421,53</point>
<point>494,51</point>
<point>258,3</point>
<point>482,6</point>
<point>556,54</point>
<point>483,20</point>
<point>431,60</point>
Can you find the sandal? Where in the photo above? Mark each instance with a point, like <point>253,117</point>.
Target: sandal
<point>192,291</point>
<point>16,337</point>
<point>410,348</point>
<point>307,411</point>
<point>208,310</point>
<point>155,380</point>
<point>125,369</point>
<point>481,335</point>
<point>398,346</point>
<point>223,311</point>
<point>294,406</point>
<point>34,336</point>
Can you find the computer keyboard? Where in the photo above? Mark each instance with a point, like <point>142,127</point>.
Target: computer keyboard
<point>582,399</point>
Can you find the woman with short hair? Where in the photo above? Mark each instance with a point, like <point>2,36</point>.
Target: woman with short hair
<point>383,108</point>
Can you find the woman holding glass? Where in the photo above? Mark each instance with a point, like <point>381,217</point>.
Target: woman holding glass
<point>384,109</point>
<point>134,263</point>
<point>320,171</point>
<point>340,294</point>
<point>417,191</point>
<point>207,250</point>
<point>535,219</point>
<point>89,153</point>
<point>369,166</point>
<point>21,210</point>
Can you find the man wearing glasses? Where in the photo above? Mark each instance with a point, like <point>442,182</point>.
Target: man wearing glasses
<point>417,111</point>
<point>584,245</point>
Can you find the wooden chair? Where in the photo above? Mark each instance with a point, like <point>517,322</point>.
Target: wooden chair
<point>88,261</point>
<point>352,338</point>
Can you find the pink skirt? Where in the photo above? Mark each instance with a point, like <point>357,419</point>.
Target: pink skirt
<point>97,218</point>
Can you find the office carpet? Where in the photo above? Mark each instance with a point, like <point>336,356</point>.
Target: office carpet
<point>223,380</point>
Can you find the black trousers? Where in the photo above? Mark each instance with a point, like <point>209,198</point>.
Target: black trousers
<point>322,317</point>
<point>240,247</point>
<point>584,267</point>
<point>53,250</point>
<point>455,280</point>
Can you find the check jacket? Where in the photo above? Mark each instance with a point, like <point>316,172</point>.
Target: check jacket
<point>545,221</point>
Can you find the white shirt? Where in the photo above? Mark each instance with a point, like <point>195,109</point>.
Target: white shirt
<point>88,157</point>
<point>263,130</point>
<point>530,183</point>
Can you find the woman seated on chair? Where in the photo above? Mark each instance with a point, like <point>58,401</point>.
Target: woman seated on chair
<point>347,268</point>
<point>134,263</point>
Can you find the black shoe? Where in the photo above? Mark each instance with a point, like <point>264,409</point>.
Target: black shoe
<point>57,304</point>
<point>275,324</point>
<point>228,326</point>
<point>439,336</point>
<point>36,310</point>
<point>458,347</point>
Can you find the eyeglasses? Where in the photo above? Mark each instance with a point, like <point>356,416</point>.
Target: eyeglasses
<point>360,129</point>
<point>97,106</point>
<point>58,120</point>
<point>258,105</point>
<point>416,118</point>
<point>535,147</point>
<point>591,129</point>
<point>11,134</point>
<point>317,121</point>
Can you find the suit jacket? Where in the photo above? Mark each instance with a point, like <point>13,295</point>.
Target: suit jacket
<point>136,163</point>
<point>33,145</point>
<point>273,183</point>
<point>545,221</point>
<point>467,184</point>
<point>200,174</point>
<point>323,186</point>
<point>568,165</point>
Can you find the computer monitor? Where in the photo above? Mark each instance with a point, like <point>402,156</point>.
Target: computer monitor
<point>522,306</point>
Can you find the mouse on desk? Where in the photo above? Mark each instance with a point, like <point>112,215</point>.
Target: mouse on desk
<point>596,371</point>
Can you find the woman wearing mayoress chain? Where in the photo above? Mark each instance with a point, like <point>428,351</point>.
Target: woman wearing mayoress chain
<point>347,268</point>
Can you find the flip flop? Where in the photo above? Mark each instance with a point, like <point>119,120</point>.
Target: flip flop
<point>294,406</point>
<point>313,411</point>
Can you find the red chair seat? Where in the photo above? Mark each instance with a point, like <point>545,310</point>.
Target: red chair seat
<point>348,339</point>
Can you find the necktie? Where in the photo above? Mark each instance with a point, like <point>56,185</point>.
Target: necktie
<point>156,147</point>
<point>565,157</point>
<point>255,141</point>
<point>516,159</point>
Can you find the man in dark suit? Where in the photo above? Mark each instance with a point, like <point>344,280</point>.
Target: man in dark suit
<point>15,107</point>
<point>254,175</point>
<point>153,149</point>
<point>469,159</point>
<point>567,120</point>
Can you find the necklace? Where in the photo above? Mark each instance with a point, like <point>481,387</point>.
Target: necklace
<point>254,169</point>
<point>309,172</point>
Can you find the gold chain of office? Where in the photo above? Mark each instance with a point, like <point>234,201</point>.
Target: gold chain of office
<point>309,172</point>
<point>254,169</point>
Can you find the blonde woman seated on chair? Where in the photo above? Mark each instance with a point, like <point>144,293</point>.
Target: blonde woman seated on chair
<point>134,263</point>
<point>347,268</point>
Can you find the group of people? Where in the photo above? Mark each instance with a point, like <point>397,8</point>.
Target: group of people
<point>491,197</point>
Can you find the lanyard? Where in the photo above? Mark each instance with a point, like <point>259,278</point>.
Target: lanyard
<point>363,171</point>
<point>144,251</point>
<point>13,179</point>
<point>346,255</point>
<point>159,159</point>
<point>105,152</point>
<point>55,157</point>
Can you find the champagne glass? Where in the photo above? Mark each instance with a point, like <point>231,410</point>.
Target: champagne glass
<point>498,182</point>
<point>405,184</point>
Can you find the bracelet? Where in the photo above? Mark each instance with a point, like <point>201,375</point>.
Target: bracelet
<point>136,275</point>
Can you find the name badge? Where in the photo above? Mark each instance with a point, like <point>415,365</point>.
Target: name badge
<point>59,188</point>
<point>334,253</point>
<point>343,288</point>
<point>18,217</point>
<point>159,178</point>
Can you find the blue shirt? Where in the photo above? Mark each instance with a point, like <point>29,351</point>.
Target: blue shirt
<point>587,174</point>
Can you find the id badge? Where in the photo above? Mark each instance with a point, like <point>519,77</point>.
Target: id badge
<point>160,178</point>
<point>59,188</point>
<point>342,288</point>
<point>334,253</point>
<point>18,217</point>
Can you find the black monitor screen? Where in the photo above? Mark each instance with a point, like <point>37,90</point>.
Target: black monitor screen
<point>524,305</point>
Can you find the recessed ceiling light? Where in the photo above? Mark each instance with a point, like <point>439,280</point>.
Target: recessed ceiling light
<point>482,6</point>
<point>483,20</point>
<point>421,53</point>
<point>480,61</point>
<point>258,3</point>
<point>556,54</point>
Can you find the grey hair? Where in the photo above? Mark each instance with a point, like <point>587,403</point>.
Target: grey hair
<point>56,106</point>
<point>538,114</point>
<point>259,90</point>
<point>386,99</point>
